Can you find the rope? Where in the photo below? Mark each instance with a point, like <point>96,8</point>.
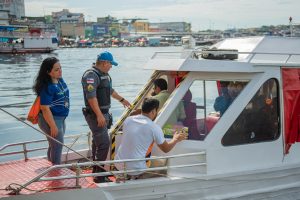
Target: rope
<point>15,191</point>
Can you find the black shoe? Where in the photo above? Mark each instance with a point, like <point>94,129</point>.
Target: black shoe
<point>102,179</point>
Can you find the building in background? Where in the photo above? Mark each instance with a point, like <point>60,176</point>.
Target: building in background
<point>4,18</point>
<point>170,27</point>
<point>141,26</point>
<point>69,24</point>
<point>108,26</point>
<point>16,8</point>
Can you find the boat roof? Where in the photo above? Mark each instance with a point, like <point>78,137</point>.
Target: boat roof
<point>252,51</point>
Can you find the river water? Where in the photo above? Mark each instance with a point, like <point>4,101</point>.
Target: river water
<point>17,73</point>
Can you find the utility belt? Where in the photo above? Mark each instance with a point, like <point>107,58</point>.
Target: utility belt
<point>88,111</point>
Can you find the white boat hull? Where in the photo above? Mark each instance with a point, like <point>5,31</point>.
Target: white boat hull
<point>278,184</point>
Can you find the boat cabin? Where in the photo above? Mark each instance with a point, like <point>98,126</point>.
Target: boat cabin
<point>237,112</point>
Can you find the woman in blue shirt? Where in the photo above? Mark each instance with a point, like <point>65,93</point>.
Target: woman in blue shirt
<point>55,104</point>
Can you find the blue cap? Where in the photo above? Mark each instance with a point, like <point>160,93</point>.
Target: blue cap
<point>107,56</point>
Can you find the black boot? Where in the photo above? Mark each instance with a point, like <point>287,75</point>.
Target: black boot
<point>100,179</point>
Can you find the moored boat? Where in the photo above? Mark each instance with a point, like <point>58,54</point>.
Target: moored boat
<point>20,39</point>
<point>242,146</point>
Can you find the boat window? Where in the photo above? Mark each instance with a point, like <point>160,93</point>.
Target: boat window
<point>259,121</point>
<point>202,106</point>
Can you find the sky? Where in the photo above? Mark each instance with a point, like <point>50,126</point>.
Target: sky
<point>202,14</point>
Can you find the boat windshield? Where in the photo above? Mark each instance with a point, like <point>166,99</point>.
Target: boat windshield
<point>203,104</point>
<point>259,121</point>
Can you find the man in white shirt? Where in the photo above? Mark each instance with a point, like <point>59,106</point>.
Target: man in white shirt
<point>139,132</point>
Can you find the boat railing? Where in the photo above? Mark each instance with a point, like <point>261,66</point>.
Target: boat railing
<point>277,57</point>
<point>169,55</point>
<point>77,167</point>
<point>26,148</point>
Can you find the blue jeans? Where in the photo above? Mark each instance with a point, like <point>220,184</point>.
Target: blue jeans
<point>55,149</point>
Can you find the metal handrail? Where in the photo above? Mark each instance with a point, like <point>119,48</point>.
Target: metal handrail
<point>26,143</point>
<point>192,53</point>
<point>85,164</point>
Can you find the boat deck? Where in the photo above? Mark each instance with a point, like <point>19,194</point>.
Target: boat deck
<point>13,173</point>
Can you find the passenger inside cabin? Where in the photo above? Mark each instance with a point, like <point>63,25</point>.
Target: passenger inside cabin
<point>160,92</point>
<point>259,121</point>
<point>229,91</point>
<point>263,122</point>
<point>191,116</point>
<point>139,135</point>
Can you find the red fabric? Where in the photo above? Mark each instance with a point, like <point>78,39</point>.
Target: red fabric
<point>291,100</point>
<point>177,80</point>
<point>210,122</point>
<point>219,86</point>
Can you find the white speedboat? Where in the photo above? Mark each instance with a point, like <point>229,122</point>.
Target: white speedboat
<point>243,124</point>
<point>19,40</point>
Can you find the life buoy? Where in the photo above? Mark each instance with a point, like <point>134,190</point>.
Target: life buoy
<point>14,51</point>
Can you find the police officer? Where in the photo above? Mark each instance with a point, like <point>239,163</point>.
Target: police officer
<point>97,89</point>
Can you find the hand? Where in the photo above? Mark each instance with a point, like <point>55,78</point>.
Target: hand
<point>179,136</point>
<point>101,121</point>
<point>126,103</point>
<point>53,131</point>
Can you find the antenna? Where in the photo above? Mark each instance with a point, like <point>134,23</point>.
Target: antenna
<point>291,26</point>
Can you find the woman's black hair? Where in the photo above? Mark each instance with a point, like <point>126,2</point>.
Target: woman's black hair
<point>43,78</point>
<point>149,105</point>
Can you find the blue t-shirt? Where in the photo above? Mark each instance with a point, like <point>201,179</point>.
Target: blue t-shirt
<point>56,96</point>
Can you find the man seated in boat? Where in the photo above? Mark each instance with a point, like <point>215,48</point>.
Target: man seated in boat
<point>139,135</point>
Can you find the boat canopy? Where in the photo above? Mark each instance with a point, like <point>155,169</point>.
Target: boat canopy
<point>252,52</point>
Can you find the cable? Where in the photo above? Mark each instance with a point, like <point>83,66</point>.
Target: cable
<point>75,140</point>
<point>48,136</point>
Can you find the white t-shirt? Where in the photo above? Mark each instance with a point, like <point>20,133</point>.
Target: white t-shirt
<point>138,134</point>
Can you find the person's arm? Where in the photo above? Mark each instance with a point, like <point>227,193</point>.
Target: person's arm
<point>123,101</point>
<point>167,146</point>
<point>93,102</point>
<point>47,114</point>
